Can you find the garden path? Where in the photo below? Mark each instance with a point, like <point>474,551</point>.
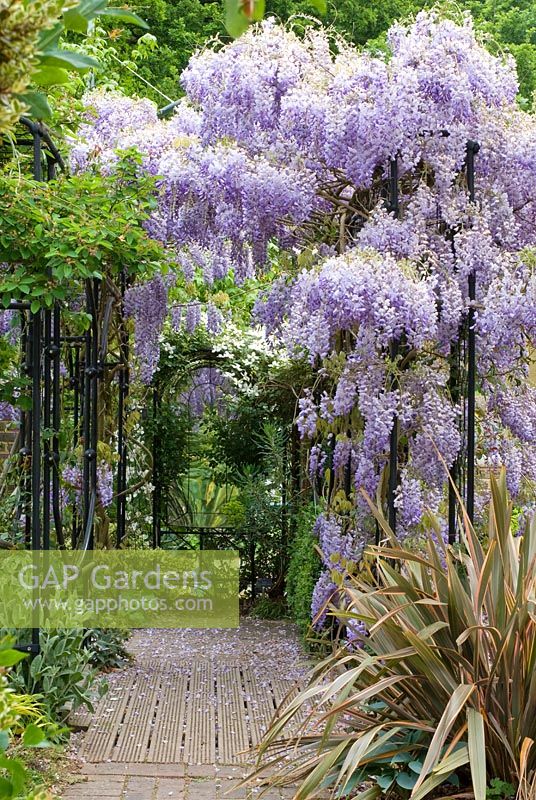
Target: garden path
<point>176,722</point>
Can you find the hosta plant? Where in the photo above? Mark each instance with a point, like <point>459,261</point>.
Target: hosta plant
<point>443,686</point>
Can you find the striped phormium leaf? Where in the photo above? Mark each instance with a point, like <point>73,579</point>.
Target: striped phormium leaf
<point>444,685</point>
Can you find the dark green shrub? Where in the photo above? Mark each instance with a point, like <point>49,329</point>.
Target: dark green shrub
<point>268,608</point>
<point>106,647</point>
<point>304,568</point>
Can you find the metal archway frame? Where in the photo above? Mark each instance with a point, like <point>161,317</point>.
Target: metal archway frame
<point>44,338</point>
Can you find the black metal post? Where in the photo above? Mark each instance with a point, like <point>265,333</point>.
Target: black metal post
<point>393,207</point>
<point>36,431</point>
<point>252,565</point>
<point>56,424</point>
<point>454,472</point>
<point>38,354</point>
<point>26,433</point>
<point>95,364</point>
<point>90,412</point>
<point>157,490</point>
<point>455,383</point>
<point>472,150</point>
<point>121,413</point>
<point>36,540</point>
<point>47,394</point>
<point>76,383</point>
<point>393,451</point>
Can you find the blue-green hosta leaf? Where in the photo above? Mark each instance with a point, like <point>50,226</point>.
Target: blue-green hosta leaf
<point>406,780</point>
<point>415,766</point>
<point>354,781</point>
<point>385,781</point>
<point>401,758</point>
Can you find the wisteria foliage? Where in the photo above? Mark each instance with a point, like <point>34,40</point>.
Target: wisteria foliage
<point>288,138</point>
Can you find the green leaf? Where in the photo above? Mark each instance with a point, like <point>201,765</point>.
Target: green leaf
<point>258,10</point>
<point>441,773</point>
<point>125,15</point>
<point>415,766</point>
<point>4,740</point>
<point>18,776</point>
<point>406,780</point>
<point>457,702</point>
<point>238,17</point>
<point>33,736</point>
<point>50,76</point>
<point>8,658</point>
<point>320,5</point>
<point>369,794</point>
<point>77,19</point>
<point>68,60</point>
<point>476,742</point>
<point>37,103</point>
<point>50,37</point>
<point>385,781</point>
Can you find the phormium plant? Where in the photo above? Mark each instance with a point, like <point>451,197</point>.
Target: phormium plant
<point>444,683</point>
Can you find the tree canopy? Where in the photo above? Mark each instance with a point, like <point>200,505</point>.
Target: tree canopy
<point>182,28</point>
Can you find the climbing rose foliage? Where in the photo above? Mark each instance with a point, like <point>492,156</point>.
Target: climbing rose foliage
<point>286,139</point>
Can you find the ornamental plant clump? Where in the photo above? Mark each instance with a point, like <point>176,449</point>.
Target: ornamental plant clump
<point>21,715</point>
<point>441,688</point>
<point>285,144</point>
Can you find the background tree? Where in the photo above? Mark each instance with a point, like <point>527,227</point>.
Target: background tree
<point>182,28</point>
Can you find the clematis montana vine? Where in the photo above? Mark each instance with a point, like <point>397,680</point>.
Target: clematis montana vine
<point>285,138</point>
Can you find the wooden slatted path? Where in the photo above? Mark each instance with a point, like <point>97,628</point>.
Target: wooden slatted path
<point>195,697</point>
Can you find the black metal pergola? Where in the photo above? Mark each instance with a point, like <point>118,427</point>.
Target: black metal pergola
<point>46,342</point>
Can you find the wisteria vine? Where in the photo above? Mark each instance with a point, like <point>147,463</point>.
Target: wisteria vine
<point>283,138</point>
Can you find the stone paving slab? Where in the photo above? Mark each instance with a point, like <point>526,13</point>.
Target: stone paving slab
<point>99,784</point>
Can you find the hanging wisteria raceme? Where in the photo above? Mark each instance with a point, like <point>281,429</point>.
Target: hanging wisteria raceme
<point>105,484</point>
<point>284,138</point>
<point>72,479</point>
<point>207,389</point>
<point>146,304</point>
<point>219,207</point>
<point>8,413</point>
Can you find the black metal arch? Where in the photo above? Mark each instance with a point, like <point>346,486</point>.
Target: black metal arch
<point>44,338</point>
